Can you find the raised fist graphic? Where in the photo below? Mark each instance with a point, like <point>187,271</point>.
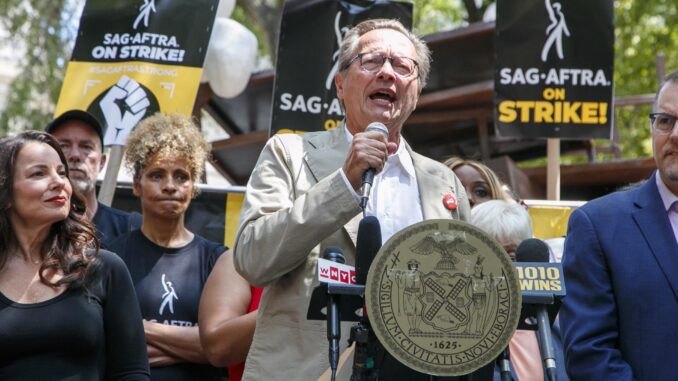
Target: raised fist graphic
<point>123,107</point>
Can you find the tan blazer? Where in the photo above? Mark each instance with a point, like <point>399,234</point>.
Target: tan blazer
<point>296,205</point>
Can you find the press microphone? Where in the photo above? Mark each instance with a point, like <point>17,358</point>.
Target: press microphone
<point>368,176</point>
<point>536,250</point>
<point>533,250</point>
<point>367,245</point>
<point>333,254</point>
<point>367,347</point>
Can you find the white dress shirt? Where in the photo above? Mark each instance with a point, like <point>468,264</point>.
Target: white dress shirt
<point>394,198</point>
<point>670,202</point>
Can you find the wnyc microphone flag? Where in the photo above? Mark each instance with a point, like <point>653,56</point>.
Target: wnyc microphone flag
<point>334,272</point>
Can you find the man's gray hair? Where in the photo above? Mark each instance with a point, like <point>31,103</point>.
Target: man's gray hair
<point>505,221</point>
<point>349,45</point>
<point>671,78</point>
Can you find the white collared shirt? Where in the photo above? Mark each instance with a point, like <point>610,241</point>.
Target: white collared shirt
<point>394,198</point>
<point>668,199</point>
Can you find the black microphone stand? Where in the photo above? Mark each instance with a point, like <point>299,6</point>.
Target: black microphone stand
<point>504,361</point>
<point>333,331</point>
<point>546,343</point>
<point>545,303</point>
<point>333,254</point>
<point>327,296</point>
<point>368,354</point>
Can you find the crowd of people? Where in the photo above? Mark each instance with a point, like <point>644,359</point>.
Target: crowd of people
<point>88,292</point>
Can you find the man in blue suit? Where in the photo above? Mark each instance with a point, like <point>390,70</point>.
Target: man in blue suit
<point>620,316</point>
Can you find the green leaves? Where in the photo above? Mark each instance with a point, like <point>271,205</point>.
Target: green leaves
<point>643,29</point>
<point>431,16</point>
<point>40,31</point>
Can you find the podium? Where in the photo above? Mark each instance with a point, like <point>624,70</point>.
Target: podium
<point>389,368</point>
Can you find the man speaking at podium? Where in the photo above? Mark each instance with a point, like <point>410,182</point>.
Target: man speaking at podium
<point>303,195</point>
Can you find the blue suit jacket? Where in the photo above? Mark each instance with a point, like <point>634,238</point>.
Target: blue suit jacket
<point>620,316</point>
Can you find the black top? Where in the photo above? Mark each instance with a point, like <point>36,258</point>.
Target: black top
<point>111,223</point>
<point>168,284</point>
<point>83,334</point>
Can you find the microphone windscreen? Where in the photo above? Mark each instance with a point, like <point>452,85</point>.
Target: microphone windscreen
<point>532,250</point>
<point>368,244</point>
<point>334,254</point>
<point>378,127</point>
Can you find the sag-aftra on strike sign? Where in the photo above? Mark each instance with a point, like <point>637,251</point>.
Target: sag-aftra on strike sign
<point>133,58</point>
<point>554,68</point>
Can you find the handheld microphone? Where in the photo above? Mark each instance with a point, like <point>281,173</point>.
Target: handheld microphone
<point>367,245</point>
<point>333,254</point>
<point>368,176</point>
<point>536,250</point>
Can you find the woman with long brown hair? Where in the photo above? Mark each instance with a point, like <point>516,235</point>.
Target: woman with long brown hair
<point>67,308</point>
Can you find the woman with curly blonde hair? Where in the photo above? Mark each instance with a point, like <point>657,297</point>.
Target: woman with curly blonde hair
<point>169,264</point>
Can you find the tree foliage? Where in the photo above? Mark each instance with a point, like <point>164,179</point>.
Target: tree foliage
<point>431,16</point>
<point>262,17</point>
<point>643,29</point>
<point>41,31</point>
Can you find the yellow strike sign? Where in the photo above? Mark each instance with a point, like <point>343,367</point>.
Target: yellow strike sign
<point>553,109</point>
<point>173,87</point>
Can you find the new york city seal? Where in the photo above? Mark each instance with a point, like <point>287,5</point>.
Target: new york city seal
<point>443,298</point>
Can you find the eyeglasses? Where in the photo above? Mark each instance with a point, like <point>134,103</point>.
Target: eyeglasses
<point>663,123</point>
<point>372,62</point>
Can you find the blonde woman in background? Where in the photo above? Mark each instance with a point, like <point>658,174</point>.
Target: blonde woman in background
<point>480,182</point>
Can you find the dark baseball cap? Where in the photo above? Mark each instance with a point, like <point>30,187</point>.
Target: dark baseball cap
<point>80,115</point>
